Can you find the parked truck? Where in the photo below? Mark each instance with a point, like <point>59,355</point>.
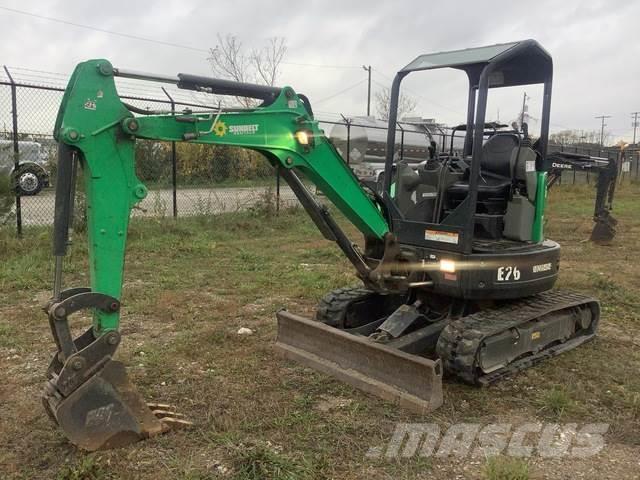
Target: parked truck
<point>31,175</point>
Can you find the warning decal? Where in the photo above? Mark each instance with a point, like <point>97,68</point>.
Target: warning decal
<point>441,236</point>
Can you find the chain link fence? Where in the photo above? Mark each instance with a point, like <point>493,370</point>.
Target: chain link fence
<point>187,179</point>
<point>183,179</point>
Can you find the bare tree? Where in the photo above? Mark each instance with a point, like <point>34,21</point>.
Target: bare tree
<point>406,104</point>
<point>268,59</point>
<point>231,60</point>
<point>573,137</point>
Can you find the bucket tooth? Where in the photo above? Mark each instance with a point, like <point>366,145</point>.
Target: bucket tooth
<point>411,381</point>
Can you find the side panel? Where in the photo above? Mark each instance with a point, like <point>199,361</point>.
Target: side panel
<point>502,275</point>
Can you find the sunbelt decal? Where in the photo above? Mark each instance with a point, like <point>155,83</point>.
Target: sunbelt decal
<point>221,129</point>
<point>243,129</point>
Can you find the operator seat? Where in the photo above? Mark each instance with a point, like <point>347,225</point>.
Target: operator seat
<point>497,165</point>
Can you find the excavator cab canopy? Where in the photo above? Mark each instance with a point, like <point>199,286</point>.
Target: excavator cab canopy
<point>516,63</point>
<point>519,63</point>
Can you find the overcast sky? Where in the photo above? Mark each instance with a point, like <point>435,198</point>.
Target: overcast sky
<point>595,46</point>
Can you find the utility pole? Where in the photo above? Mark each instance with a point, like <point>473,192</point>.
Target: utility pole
<point>635,124</point>
<point>368,69</point>
<point>602,117</point>
<point>524,107</point>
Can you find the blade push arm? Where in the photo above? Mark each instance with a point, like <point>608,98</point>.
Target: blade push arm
<point>101,131</point>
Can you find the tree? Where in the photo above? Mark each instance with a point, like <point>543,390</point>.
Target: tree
<point>229,59</point>
<point>574,137</point>
<point>406,104</point>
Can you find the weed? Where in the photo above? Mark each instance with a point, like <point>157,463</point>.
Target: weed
<point>506,468</point>
<point>266,204</point>
<point>85,469</point>
<point>159,208</point>
<point>261,461</point>
<point>556,401</point>
<point>6,200</point>
<point>203,207</point>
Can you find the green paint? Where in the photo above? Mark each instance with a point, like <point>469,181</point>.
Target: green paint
<point>537,234</point>
<point>93,119</point>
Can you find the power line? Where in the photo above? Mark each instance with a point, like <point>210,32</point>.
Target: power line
<point>416,94</point>
<point>151,40</point>
<point>635,124</point>
<point>421,97</point>
<point>340,92</point>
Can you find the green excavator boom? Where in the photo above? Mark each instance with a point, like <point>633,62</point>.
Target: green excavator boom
<point>102,131</point>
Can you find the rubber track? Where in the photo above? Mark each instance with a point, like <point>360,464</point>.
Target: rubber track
<point>332,307</point>
<point>461,339</point>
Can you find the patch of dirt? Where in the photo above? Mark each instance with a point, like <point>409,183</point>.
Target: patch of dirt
<point>327,403</point>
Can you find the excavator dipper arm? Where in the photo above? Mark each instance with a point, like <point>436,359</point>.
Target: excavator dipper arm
<point>604,229</point>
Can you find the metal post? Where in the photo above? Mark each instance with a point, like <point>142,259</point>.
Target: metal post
<point>16,147</point>
<point>348,123</point>
<point>368,69</point>
<point>174,162</point>
<point>277,189</point>
<point>524,107</point>
<point>401,141</point>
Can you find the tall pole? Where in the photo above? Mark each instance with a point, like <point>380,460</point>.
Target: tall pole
<point>368,69</point>
<point>174,162</point>
<point>635,125</point>
<point>602,117</point>
<point>16,146</point>
<point>524,105</point>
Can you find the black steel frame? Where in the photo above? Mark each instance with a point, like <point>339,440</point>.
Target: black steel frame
<point>478,75</point>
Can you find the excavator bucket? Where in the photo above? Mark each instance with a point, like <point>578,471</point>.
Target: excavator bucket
<point>604,229</point>
<point>104,412</point>
<point>87,393</point>
<point>410,381</point>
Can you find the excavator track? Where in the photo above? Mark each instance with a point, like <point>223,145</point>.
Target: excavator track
<point>465,341</point>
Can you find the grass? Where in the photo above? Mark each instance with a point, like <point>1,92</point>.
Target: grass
<point>86,468</point>
<point>505,468</point>
<point>556,402</point>
<point>260,461</point>
<point>190,285</point>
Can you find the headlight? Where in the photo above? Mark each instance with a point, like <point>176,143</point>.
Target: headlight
<point>448,266</point>
<point>303,137</point>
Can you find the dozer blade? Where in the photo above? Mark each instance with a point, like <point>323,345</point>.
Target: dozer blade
<point>107,411</point>
<point>410,381</point>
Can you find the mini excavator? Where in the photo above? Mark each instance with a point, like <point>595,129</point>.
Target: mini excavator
<point>456,274</point>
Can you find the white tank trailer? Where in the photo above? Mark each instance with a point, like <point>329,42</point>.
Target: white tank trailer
<point>362,143</point>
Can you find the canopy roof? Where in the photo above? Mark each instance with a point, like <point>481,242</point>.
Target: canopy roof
<point>517,63</point>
